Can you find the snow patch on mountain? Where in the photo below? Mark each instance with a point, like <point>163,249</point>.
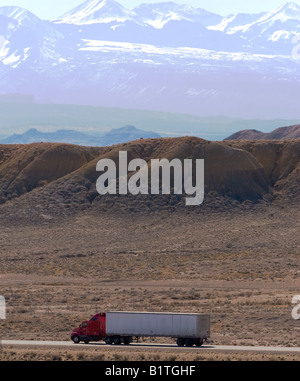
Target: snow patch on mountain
<point>12,59</point>
<point>280,34</point>
<point>236,23</point>
<point>192,54</point>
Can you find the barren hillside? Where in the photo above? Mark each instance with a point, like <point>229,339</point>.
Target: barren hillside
<point>61,179</point>
<point>281,133</point>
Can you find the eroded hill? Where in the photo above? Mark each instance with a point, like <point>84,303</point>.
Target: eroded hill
<point>56,179</point>
<point>281,133</point>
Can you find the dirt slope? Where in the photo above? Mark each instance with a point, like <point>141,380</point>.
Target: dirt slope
<point>60,178</point>
<point>281,162</point>
<point>26,167</point>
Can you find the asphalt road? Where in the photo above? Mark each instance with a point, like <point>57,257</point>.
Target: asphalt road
<point>143,346</point>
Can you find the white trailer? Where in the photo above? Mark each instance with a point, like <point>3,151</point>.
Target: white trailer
<point>188,329</point>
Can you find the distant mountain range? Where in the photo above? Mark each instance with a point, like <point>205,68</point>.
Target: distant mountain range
<point>130,133</point>
<point>164,57</point>
<point>282,133</point>
<point>148,14</point>
<point>115,136</point>
<point>16,116</point>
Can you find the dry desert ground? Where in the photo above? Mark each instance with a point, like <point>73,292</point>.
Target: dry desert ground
<point>61,261</point>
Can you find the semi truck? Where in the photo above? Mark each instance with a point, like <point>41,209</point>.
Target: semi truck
<point>125,327</point>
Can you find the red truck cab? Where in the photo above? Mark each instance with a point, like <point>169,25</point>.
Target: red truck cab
<point>90,330</point>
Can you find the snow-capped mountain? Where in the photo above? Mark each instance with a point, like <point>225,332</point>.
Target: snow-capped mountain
<point>158,15</point>
<point>277,26</point>
<point>19,15</point>
<point>97,11</point>
<point>287,16</point>
<point>172,24</point>
<point>162,56</point>
<point>26,37</point>
<point>273,30</point>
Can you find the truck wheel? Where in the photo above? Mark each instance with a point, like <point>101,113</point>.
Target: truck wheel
<point>108,340</point>
<point>188,342</point>
<point>199,342</point>
<point>180,342</point>
<point>126,340</point>
<point>76,339</point>
<point>117,340</point>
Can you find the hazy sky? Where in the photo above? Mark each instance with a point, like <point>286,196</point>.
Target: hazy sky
<point>50,9</point>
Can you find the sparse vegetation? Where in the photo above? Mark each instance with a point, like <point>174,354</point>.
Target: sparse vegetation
<point>237,262</point>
